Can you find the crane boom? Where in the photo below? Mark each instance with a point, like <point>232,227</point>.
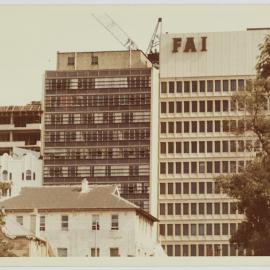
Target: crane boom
<point>117,32</point>
<point>155,38</point>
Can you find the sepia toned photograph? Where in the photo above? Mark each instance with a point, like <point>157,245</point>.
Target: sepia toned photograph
<point>135,131</point>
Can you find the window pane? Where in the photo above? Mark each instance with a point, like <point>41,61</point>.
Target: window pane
<point>202,86</point>
<point>163,87</point>
<point>186,86</point>
<point>209,86</point>
<point>179,87</point>
<point>194,86</point>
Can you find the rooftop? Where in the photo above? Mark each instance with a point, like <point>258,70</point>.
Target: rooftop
<point>58,198</point>
<point>33,106</point>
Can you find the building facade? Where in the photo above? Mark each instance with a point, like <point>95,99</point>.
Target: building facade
<point>199,73</point>
<point>20,126</point>
<point>99,109</point>
<point>21,169</point>
<point>86,221</point>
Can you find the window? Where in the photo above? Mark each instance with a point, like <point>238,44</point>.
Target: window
<point>114,222</point>
<point>209,126</point>
<point>186,147</point>
<point>64,223</point>
<point>94,252</point>
<point>193,209</point>
<point>194,126</point>
<point>201,250</point>
<point>186,126</point>
<point>209,166</point>
<point>170,250</point>
<point>201,188</point>
<point>225,85</point>
<point>209,146</point>
<point>186,106</point>
<point>225,229</point>
<point>186,188</point>
<point>162,168</point>
<point>202,147</point>
<point>225,166</point>
<point>186,167</point>
<point>163,87</point>
<point>225,146</point>
<point>179,127</point>
<point>233,146</point>
<point>177,188</point>
<point>217,208</point>
<point>170,188</point>
<point>185,250</point>
<point>225,208</point>
<point>163,148</point>
<point>28,175</point>
<point>186,86</point>
<point>162,209</point>
<point>94,60</point>
<point>171,107</point>
<point>42,223</point>
<point>201,229</point>
<point>171,87</point>
<point>202,86</point>
<point>232,228</point>
<point>95,222</point>
<point>71,61</point>
<point>170,209</point>
<point>225,105</point>
<point>209,187</point>
<point>170,229</point>
<point>194,106</point>
<point>225,250</point>
<point>178,168</point>
<point>233,85</point>
<point>209,86</point>
<point>114,252</point>
<point>185,229</point>
<point>178,208</point>
<point>177,229</point>
<point>202,126</point>
<point>217,85</point>
<point>241,85</point>
<point>163,127</point>
<point>170,147</point>
<point>217,106</point>
<point>19,219</point>
<point>193,229</point>
<point>202,106</point>
<point>209,209</point>
<point>194,187</point>
<point>178,106</point>
<point>194,86</point>
<point>163,107</point>
<point>217,126</point>
<point>178,147</point>
<point>162,188</point>
<point>216,229</point>
<point>179,87</point>
<point>194,147</point>
<point>209,105</point>
<point>233,207</point>
<point>209,229</point>
<point>170,167</point>
<point>185,209</point>
<point>201,208</point>
<point>217,166</point>
<point>217,146</point>
<point>62,252</point>
<point>162,229</point>
<point>201,167</point>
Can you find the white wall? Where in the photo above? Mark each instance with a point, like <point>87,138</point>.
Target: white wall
<point>135,237</point>
<point>228,53</point>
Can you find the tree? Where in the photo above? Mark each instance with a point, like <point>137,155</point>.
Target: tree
<point>251,187</point>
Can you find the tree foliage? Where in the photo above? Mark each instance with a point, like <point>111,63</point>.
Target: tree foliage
<point>251,187</point>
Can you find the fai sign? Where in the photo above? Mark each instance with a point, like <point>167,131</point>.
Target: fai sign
<point>189,45</point>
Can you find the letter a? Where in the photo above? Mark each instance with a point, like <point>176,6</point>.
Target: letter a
<point>190,46</point>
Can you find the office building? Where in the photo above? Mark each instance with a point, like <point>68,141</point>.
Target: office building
<point>99,108</point>
<point>199,73</point>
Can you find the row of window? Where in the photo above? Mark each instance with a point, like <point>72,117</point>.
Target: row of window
<point>98,100</point>
<point>97,83</point>
<point>98,153</point>
<point>202,86</point>
<point>216,208</point>
<point>28,175</point>
<point>97,170</point>
<point>97,135</point>
<point>97,118</point>
<point>197,229</point>
<point>187,147</point>
<point>95,224</point>
<point>202,167</point>
<point>187,188</point>
<point>204,250</point>
<point>201,106</point>
<point>202,126</point>
<point>94,252</point>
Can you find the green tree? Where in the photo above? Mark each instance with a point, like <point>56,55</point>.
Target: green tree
<point>251,187</point>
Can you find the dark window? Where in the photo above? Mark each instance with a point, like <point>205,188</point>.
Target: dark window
<point>202,126</point>
<point>233,85</point>
<point>163,148</point>
<point>162,168</point>
<point>201,250</point>
<point>186,167</point>
<point>179,87</point>
<point>225,167</point>
<point>178,188</point>
<point>194,106</point>
<point>186,188</point>
<point>202,147</point>
<point>225,146</point>
<point>217,126</point>
<point>177,230</point>
<point>201,229</point>
<point>209,86</point>
<point>171,127</point>
<point>185,209</point>
<point>171,87</point>
<point>186,127</point>
<point>114,222</point>
<point>225,250</point>
<point>209,105</point>
<point>163,127</point>
<point>171,107</point>
<point>170,147</point>
<point>177,250</point>
<point>209,166</point>
<point>185,232</point>
<point>186,86</point>
<point>202,86</point>
<point>217,166</point>
<point>193,187</point>
<point>162,229</point>
<point>217,208</point>
<point>162,208</point>
<point>64,223</point>
<point>233,166</point>
<point>193,247</point>
<point>209,187</point>
<point>170,167</point>
<point>170,209</point>
<point>209,229</point>
<point>170,188</point>
<point>217,85</point>
<point>225,105</point>
<point>216,229</point>
<point>193,147</point>
<point>163,87</point>
<point>71,61</point>
<point>202,106</point>
<point>209,146</point>
<point>163,107</point>
<point>232,228</point>
<point>194,126</point>
<point>225,125</point>
<point>94,60</point>
<point>193,209</point>
<point>217,106</point>
<point>186,147</point>
<point>209,126</point>
<point>186,106</point>
<point>178,127</point>
<point>233,207</point>
<point>225,229</point>
<point>217,146</point>
<point>225,85</point>
<point>201,167</point>
<point>201,208</point>
<point>201,188</point>
<point>178,208</point>
<point>225,208</point>
<point>178,167</point>
<point>209,209</point>
<point>179,107</point>
<point>194,86</point>
<point>233,146</point>
<point>162,188</point>
<point>241,85</point>
<point>178,148</point>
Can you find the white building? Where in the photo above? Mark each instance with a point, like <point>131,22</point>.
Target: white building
<point>21,169</point>
<point>199,72</point>
<point>86,221</point>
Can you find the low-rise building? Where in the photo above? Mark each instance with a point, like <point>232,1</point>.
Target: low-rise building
<point>23,168</point>
<point>23,242</point>
<point>86,221</point>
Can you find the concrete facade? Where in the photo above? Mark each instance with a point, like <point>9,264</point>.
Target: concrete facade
<point>199,72</point>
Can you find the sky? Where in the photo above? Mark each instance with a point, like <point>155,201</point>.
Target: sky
<point>30,36</point>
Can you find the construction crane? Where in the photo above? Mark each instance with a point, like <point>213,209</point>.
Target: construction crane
<point>117,32</point>
<point>154,42</point>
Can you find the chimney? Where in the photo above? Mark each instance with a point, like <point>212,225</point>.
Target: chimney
<point>85,187</point>
<point>34,224</point>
